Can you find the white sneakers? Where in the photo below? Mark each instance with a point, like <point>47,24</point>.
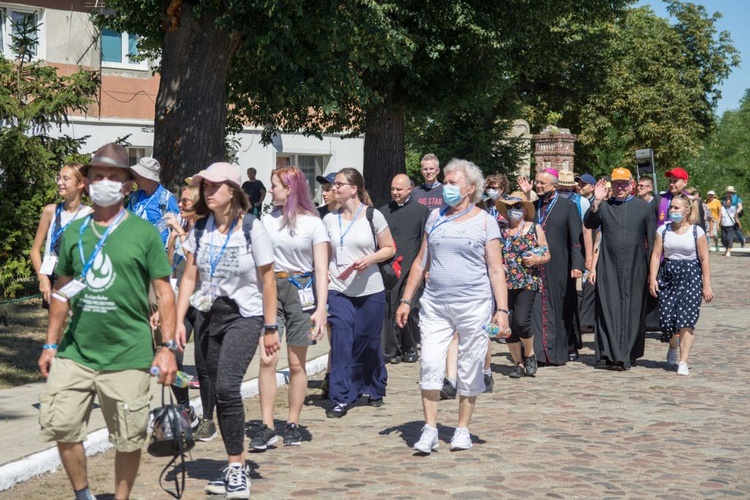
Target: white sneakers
<point>428,441</point>
<point>672,356</point>
<point>461,439</point>
<point>682,369</point>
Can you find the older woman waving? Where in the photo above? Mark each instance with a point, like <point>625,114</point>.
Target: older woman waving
<point>461,251</point>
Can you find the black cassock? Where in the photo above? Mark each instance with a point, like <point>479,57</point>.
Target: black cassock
<point>621,278</point>
<point>553,321</point>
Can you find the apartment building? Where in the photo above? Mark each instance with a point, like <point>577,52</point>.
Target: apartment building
<point>125,104</point>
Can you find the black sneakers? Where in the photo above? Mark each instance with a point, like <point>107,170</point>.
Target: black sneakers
<point>264,438</point>
<point>531,366</point>
<point>324,387</point>
<point>517,372</point>
<point>489,382</point>
<point>292,436</point>
<point>377,402</point>
<point>448,391</point>
<point>337,411</point>
<point>206,431</point>
<point>411,356</point>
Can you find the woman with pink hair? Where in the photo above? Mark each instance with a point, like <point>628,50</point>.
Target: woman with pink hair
<point>300,245</point>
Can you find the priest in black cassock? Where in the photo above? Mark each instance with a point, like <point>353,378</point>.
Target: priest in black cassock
<point>627,226</point>
<point>553,320</point>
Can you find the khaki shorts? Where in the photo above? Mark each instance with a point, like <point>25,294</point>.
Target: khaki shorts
<point>66,406</point>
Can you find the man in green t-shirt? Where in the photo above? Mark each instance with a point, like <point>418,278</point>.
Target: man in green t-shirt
<point>106,263</point>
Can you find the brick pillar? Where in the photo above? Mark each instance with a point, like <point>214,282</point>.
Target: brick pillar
<point>554,148</point>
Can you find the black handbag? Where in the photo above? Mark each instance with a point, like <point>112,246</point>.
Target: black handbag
<point>172,436</point>
<point>390,269</point>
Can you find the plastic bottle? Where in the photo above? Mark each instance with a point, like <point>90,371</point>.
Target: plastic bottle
<point>538,251</point>
<point>181,379</point>
<point>491,329</point>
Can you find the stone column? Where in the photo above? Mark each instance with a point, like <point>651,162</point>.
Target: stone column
<point>554,148</point>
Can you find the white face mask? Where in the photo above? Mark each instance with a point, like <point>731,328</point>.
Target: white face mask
<point>106,193</point>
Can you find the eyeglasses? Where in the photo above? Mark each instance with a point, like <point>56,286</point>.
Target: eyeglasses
<point>643,186</point>
<point>540,183</point>
<point>339,184</point>
<point>184,201</point>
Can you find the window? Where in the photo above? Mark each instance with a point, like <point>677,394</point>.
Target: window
<point>135,154</point>
<point>12,21</point>
<point>311,165</point>
<point>119,49</point>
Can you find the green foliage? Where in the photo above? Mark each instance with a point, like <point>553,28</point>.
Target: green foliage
<point>660,91</point>
<point>725,159</point>
<point>33,99</point>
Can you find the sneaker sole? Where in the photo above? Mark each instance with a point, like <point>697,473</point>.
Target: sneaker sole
<point>270,442</point>
<point>426,450</point>
<point>239,494</point>
<point>210,438</point>
<point>293,443</point>
<point>216,490</point>
<point>460,447</point>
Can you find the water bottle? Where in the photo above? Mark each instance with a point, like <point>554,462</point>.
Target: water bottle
<point>181,379</point>
<point>491,329</point>
<point>538,251</point>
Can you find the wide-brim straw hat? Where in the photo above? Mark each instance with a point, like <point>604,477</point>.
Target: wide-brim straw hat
<point>502,205</point>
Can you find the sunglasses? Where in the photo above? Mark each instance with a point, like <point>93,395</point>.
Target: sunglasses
<point>517,206</point>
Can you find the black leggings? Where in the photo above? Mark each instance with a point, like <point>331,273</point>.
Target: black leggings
<point>520,303</point>
<point>230,344</point>
<point>193,320</point>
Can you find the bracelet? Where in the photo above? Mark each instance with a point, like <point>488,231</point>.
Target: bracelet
<point>504,311</point>
<point>405,301</point>
<point>273,328</point>
<point>49,346</point>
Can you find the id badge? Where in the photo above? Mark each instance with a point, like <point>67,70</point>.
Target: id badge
<point>213,291</point>
<point>69,291</point>
<point>342,257</point>
<point>48,265</point>
<point>306,298</point>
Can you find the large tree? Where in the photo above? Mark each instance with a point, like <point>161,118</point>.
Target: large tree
<point>34,99</point>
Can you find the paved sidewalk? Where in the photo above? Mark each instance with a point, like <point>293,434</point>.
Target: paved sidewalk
<point>572,431</point>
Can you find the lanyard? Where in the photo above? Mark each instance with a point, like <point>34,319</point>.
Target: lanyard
<point>342,234</point>
<point>56,236</point>
<point>141,208</point>
<point>88,263</point>
<point>215,262</point>
<point>547,210</point>
<point>296,283</point>
<point>509,240</point>
<point>443,219</point>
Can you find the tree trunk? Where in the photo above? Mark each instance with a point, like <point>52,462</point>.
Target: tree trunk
<point>191,111</point>
<point>384,148</point>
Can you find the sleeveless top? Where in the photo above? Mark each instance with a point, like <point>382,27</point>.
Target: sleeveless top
<point>517,275</point>
<point>59,223</point>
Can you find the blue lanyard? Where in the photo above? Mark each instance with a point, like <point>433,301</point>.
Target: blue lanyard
<point>342,234</point>
<point>88,263</point>
<point>296,283</point>
<point>57,235</point>
<point>443,220</point>
<point>543,216</point>
<point>215,262</point>
<point>509,240</point>
<point>141,208</point>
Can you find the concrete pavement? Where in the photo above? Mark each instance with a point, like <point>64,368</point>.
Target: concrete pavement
<point>571,431</point>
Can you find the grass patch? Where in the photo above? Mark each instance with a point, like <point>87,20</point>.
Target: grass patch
<point>21,343</point>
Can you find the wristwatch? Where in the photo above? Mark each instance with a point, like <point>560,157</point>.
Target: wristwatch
<point>271,328</point>
<point>171,345</point>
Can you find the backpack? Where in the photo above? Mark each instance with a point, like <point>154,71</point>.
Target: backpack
<point>390,269</point>
<point>200,225</point>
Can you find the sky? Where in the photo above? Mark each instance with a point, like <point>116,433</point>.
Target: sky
<point>736,21</point>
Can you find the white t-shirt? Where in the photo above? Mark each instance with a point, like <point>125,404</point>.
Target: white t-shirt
<point>457,261</point>
<point>728,216</point>
<point>680,246</point>
<point>357,242</point>
<point>293,249</point>
<point>236,274</point>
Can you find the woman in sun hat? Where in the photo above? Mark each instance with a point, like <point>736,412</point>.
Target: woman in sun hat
<point>522,275</point>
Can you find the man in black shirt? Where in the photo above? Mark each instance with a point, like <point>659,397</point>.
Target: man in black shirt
<point>255,191</point>
<point>406,218</point>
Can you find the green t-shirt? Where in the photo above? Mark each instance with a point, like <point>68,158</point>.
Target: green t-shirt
<point>109,329</point>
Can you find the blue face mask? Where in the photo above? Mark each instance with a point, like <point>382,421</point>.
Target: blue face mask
<point>515,214</point>
<point>676,216</point>
<point>493,194</point>
<point>452,195</point>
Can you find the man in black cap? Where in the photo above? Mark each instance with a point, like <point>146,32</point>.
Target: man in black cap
<point>326,187</point>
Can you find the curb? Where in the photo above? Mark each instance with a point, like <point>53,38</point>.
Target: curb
<point>98,441</point>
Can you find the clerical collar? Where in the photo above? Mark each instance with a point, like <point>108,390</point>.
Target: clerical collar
<point>615,200</point>
<point>405,201</point>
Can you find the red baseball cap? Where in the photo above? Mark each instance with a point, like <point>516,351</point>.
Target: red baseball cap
<point>677,172</point>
